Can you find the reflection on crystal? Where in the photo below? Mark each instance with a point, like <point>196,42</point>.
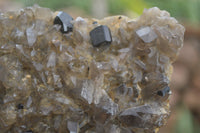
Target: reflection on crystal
<point>55,82</point>
<point>29,102</point>
<point>142,116</point>
<point>52,60</point>
<point>146,34</point>
<point>87,90</point>
<point>72,126</point>
<point>31,35</point>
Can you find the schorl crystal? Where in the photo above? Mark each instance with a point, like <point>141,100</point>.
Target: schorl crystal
<point>164,92</point>
<point>100,35</point>
<point>29,131</point>
<point>20,106</point>
<point>65,20</point>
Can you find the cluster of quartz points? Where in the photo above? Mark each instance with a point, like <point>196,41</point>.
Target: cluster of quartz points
<point>56,82</point>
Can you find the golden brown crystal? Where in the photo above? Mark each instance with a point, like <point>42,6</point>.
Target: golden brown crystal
<point>64,84</point>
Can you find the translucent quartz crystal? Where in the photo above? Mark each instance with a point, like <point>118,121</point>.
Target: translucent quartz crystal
<point>59,83</point>
<point>146,34</point>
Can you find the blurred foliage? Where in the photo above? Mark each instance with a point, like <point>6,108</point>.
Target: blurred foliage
<point>121,6</point>
<point>114,6</point>
<point>58,4</point>
<point>186,122</point>
<point>185,9</point>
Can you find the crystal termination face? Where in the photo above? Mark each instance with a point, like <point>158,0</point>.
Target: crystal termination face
<point>52,82</point>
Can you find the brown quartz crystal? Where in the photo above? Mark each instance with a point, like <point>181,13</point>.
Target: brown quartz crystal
<point>54,82</point>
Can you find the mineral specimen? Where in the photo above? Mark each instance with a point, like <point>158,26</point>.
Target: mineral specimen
<point>60,82</point>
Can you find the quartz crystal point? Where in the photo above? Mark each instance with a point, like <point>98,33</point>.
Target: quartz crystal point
<point>54,82</point>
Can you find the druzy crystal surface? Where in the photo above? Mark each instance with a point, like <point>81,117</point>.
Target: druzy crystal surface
<point>52,82</point>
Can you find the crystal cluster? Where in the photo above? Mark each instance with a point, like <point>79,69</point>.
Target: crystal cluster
<point>65,75</point>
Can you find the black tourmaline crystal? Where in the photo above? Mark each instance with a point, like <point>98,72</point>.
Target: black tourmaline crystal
<point>100,35</point>
<point>164,92</point>
<point>20,106</point>
<point>29,131</point>
<point>64,20</point>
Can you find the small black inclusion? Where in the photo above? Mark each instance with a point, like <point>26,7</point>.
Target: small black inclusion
<point>29,131</point>
<point>20,106</point>
<point>163,92</point>
<point>95,22</point>
<point>160,93</point>
<point>119,17</point>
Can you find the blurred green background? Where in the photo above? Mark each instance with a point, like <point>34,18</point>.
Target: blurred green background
<point>185,100</point>
<point>187,10</point>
